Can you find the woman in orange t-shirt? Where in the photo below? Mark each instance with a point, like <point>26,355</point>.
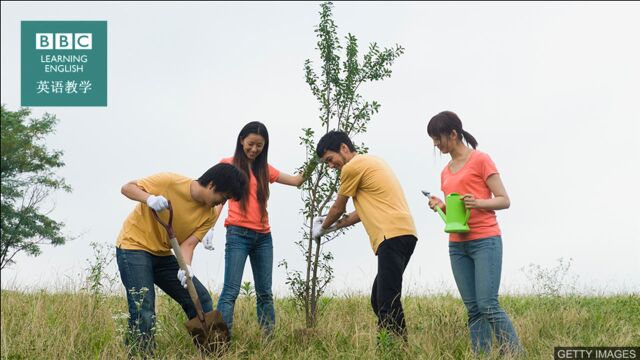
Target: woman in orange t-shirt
<point>247,223</point>
<point>476,256</point>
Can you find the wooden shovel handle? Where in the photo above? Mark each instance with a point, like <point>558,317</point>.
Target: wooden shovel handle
<point>183,265</point>
<point>191,288</point>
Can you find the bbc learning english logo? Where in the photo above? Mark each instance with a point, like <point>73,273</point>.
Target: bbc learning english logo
<point>63,63</point>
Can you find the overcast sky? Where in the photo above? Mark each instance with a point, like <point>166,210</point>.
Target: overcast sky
<point>550,91</point>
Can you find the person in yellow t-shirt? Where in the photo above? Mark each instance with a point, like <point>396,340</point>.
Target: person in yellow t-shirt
<point>381,206</point>
<point>143,250</point>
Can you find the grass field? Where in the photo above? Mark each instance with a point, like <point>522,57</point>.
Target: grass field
<point>79,325</point>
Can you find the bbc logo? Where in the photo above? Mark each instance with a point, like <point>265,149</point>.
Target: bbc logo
<point>64,41</point>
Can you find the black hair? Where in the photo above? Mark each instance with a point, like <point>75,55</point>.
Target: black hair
<point>259,166</point>
<point>444,123</point>
<point>332,140</point>
<point>227,179</point>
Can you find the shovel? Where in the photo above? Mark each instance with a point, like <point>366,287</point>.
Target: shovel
<point>208,330</point>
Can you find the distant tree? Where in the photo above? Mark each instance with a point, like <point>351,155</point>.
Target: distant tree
<point>27,180</point>
<point>341,108</point>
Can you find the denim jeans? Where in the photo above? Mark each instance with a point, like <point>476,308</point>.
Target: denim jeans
<point>243,242</point>
<point>139,271</point>
<point>393,256</point>
<point>477,266</point>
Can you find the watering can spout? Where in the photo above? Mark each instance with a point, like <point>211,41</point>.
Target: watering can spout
<point>442,214</point>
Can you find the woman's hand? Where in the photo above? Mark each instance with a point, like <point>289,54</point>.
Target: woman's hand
<point>434,202</point>
<point>470,202</point>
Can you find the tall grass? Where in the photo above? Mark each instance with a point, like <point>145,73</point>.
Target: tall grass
<point>88,321</point>
<point>85,325</point>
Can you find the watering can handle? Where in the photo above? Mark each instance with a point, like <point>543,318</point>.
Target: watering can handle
<point>466,218</point>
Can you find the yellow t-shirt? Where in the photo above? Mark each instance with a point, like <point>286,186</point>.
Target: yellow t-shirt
<point>141,231</point>
<point>377,197</point>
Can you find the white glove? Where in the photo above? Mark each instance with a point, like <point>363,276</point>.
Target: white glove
<point>157,203</point>
<point>316,227</point>
<point>317,230</point>
<point>183,277</point>
<point>207,241</point>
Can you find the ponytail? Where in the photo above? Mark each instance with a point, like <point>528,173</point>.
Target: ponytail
<point>469,138</point>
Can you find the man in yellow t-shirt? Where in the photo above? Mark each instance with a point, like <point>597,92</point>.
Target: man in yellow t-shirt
<point>381,206</point>
<point>143,250</point>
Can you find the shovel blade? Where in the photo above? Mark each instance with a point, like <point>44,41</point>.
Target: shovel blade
<point>212,337</point>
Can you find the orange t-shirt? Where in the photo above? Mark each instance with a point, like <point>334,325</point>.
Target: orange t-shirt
<point>471,179</point>
<point>252,219</point>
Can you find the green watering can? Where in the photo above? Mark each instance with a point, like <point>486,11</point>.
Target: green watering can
<point>457,216</point>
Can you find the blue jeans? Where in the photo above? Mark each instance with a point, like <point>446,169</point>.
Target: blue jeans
<point>243,242</point>
<point>477,266</point>
<point>139,271</point>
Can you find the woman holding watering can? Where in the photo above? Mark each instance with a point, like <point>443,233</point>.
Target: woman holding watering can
<point>247,223</point>
<point>476,255</point>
